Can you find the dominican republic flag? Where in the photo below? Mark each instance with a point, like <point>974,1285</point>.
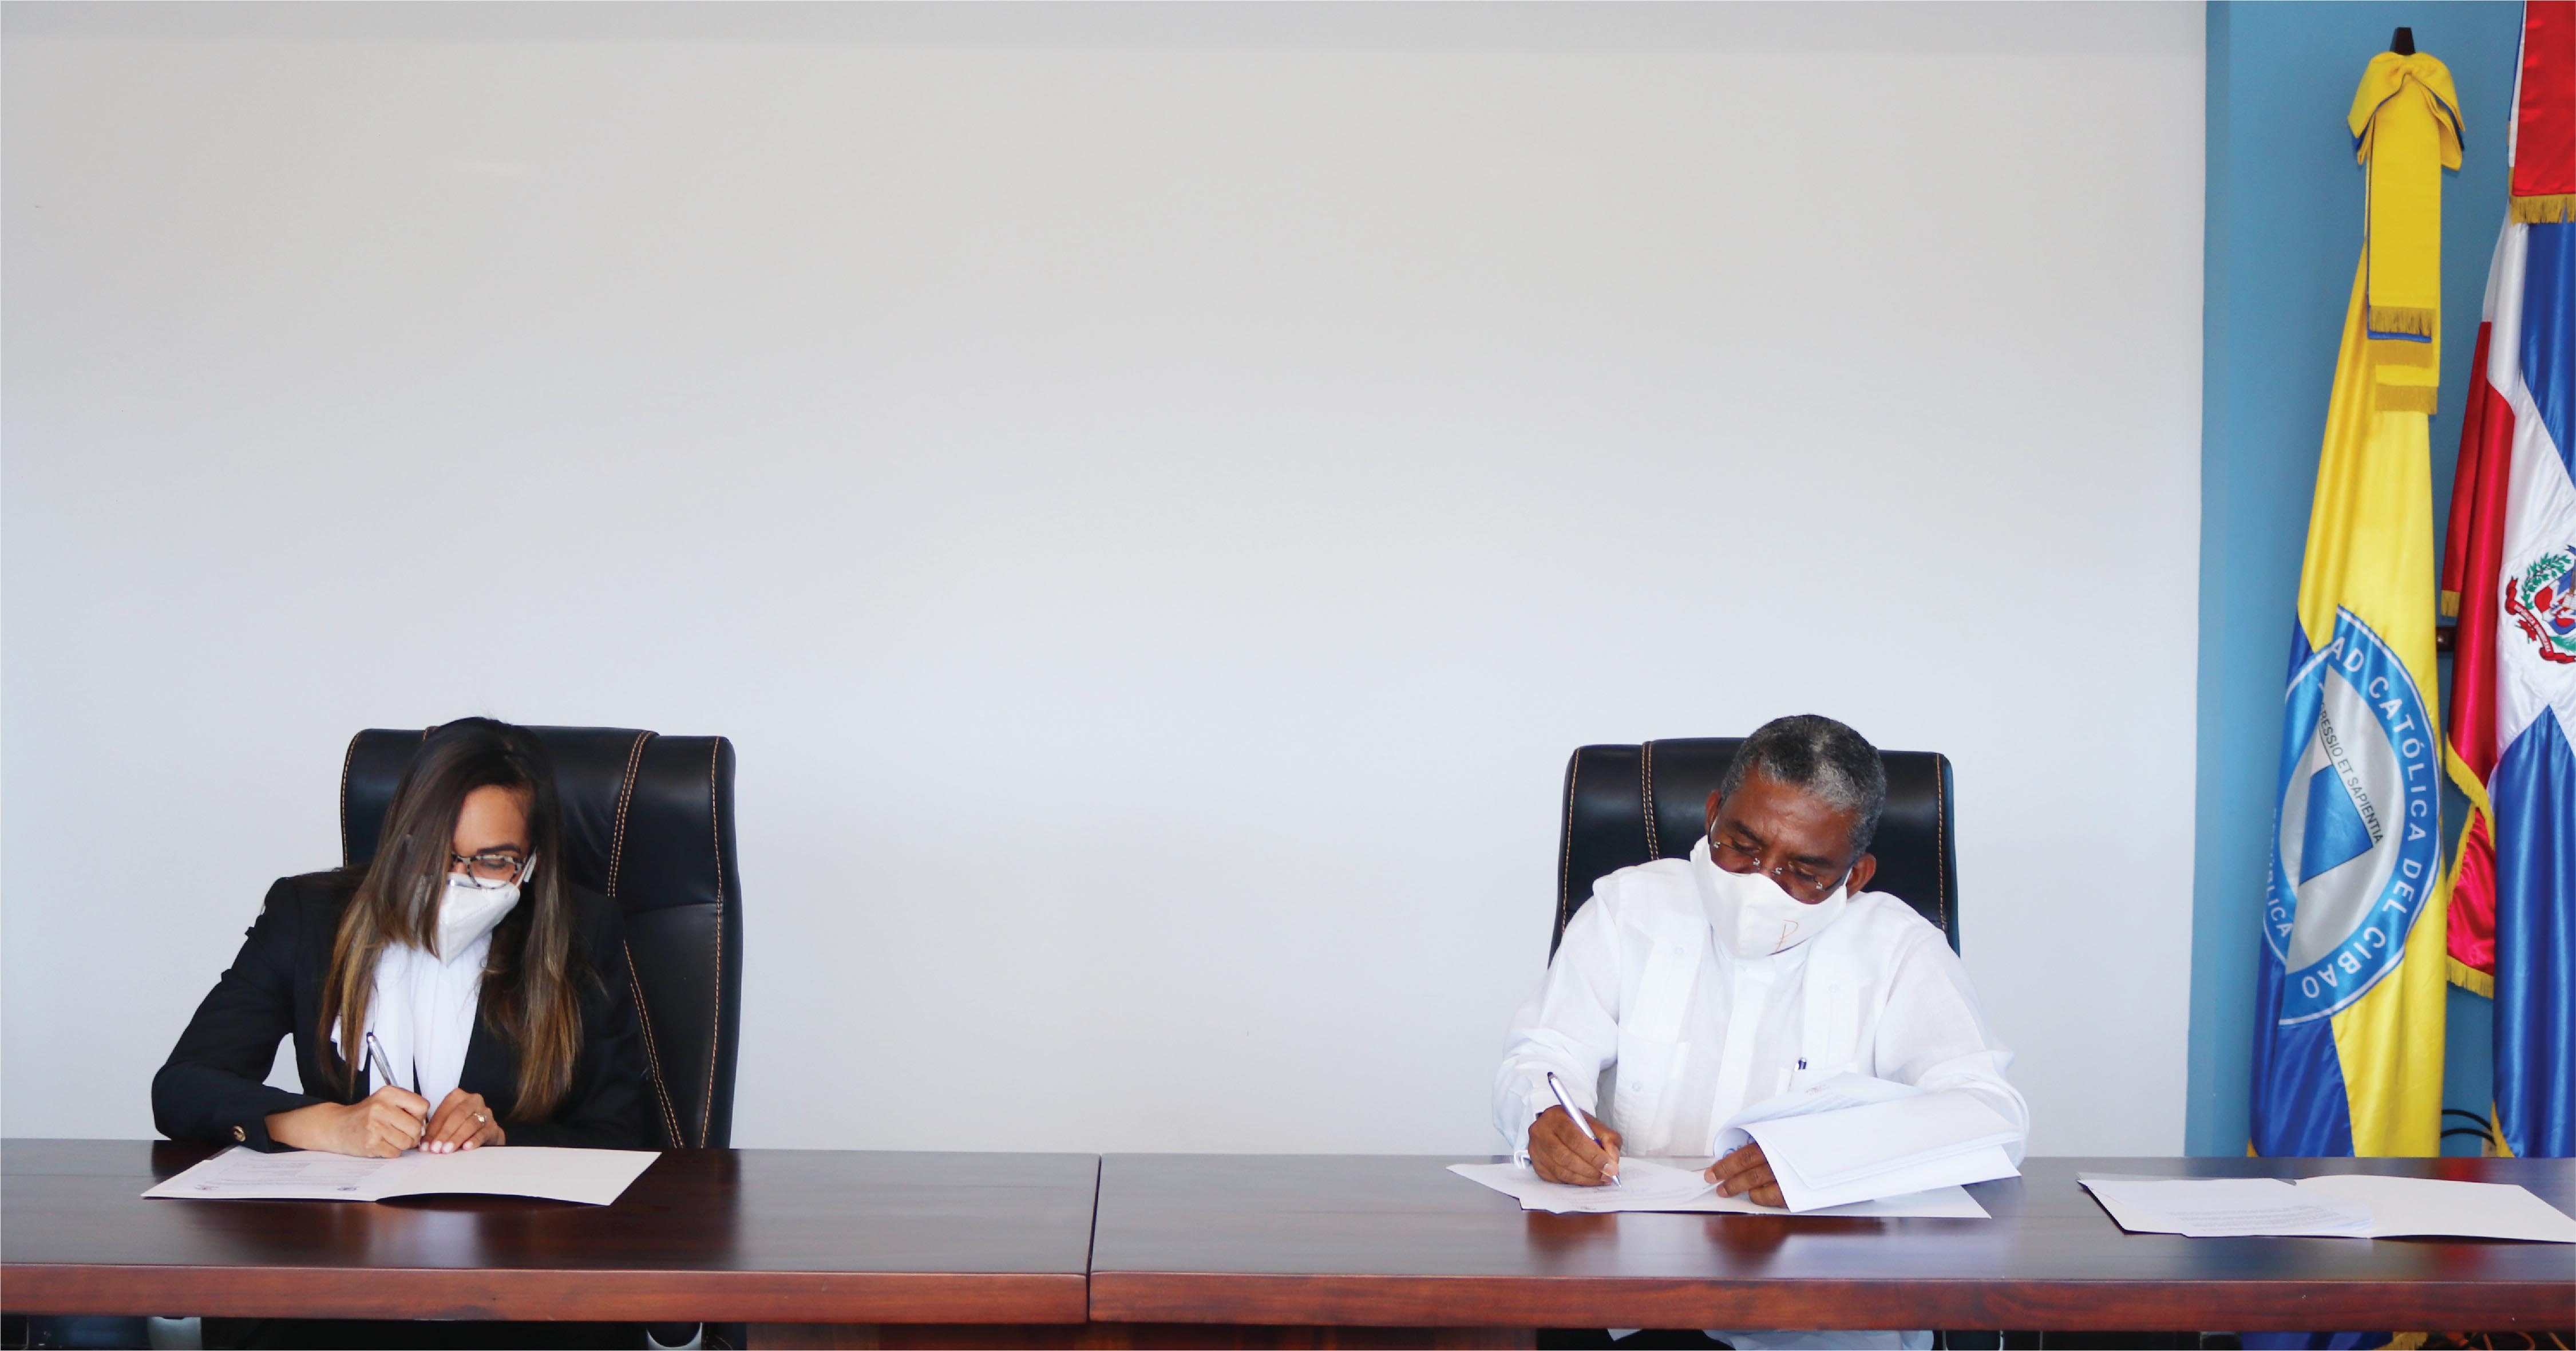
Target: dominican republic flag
<point>2509,573</point>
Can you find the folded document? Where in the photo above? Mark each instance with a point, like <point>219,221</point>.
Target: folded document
<point>2335,1205</point>
<point>1854,1138</point>
<point>1679,1185</point>
<point>590,1176</point>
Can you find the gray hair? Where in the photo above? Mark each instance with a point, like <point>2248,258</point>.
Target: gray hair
<point>1822,757</point>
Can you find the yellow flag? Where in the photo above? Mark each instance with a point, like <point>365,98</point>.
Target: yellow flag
<point>2406,130</point>
<point>2348,1051</point>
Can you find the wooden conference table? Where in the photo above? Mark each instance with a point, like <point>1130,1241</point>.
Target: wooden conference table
<point>1056,1249</point>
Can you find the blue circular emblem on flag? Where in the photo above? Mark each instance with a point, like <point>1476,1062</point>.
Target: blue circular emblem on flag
<point>2358,842</point>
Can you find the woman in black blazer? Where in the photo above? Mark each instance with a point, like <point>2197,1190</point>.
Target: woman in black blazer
<point>464,946</point>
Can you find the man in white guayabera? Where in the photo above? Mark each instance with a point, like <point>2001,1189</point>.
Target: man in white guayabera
<point>1757,966</point>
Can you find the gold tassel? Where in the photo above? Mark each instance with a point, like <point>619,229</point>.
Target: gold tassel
<point>2450,605</point>
<point>2414,321</point>
<point>2405,399</point>
<point>2399,352</point>
<point>2545,210</point>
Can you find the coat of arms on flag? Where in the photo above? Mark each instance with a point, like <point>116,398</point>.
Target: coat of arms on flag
<point>2542,603</point>
<point>2509,573</point>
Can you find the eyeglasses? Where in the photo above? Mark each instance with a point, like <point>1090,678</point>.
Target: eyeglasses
<point>499,868</point>
<point>1798,881</point>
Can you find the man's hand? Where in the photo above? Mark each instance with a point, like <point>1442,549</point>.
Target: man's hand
<point>1560,1153</point>
<point>462,1122</point>
<point>1746,1172</point>
<point>386,1123</point>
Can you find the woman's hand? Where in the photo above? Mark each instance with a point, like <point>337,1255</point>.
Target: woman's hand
<point>462,1122</point>
<point>386,1123</point>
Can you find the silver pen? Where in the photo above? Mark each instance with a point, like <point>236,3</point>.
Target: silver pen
<point>1577,1113</point>
<point>379,1064</point>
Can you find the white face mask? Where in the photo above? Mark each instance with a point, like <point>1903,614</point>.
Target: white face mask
<point>467,912</point>
<point>1755,918</point>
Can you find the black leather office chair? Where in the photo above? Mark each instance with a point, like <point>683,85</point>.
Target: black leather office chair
<point>1632,804</point>
<point>650,824</point>
<point>1626,805</point>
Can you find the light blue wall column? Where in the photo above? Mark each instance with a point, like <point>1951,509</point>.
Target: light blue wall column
<point>2283,232</point>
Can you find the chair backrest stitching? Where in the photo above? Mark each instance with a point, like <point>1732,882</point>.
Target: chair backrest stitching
<point>1565,861</point>
<point>1646,796</point>
<point>616,864</point>
<point>652,1051</point>
<point>625,797</point>
<point>715,1011</point>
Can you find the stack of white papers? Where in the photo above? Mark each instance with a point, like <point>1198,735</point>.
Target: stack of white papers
<point>589,1176</point>
<point>1854,1138</point>
<point>1679,1185</point>
<point>2337,1205</point>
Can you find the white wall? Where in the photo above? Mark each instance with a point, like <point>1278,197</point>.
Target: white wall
<point>1154,495</point>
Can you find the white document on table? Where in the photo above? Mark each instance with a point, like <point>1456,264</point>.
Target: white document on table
<point>2336,1205</point>
<point>1643,1184</point>
<point>589,1176</point>
<point>1937,1203</point>
<point>1853,1138</point>
<point>2401,1206</point>
<point>1679,1186</point>
<point>295,1175</point>
<point>2220,1207</point>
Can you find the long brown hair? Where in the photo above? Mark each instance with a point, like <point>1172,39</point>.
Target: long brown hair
<point>529,993</point>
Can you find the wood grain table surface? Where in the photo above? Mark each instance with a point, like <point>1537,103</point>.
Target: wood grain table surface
<point>714,1235</point>
<point>1283,1241</point>
<point>1400,1241</point>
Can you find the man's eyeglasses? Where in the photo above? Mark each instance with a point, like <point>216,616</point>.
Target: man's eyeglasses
<point>1801,882</point>
<point>499,868</point>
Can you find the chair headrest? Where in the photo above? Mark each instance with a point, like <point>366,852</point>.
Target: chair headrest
<point>1626,805</point>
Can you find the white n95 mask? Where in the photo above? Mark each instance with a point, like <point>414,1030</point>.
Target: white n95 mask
<point>467,912</point>
<point>1754,917</point>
